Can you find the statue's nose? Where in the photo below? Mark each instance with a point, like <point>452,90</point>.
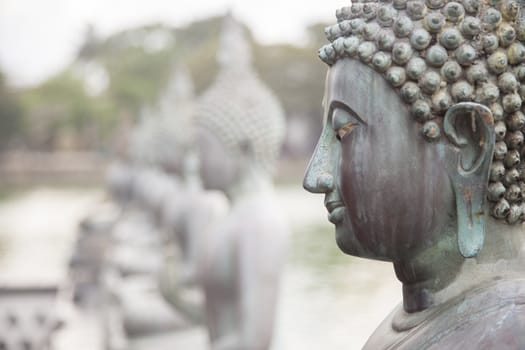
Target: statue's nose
<point>318,183</point>
<point>319,177</point>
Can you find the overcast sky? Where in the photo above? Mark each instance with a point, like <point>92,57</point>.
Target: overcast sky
<point>39,37</point>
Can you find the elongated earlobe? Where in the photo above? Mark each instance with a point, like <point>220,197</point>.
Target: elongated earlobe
<point>470,128</point>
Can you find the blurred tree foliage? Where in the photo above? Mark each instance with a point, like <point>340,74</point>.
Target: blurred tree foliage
<point>11,117</point>
<point>113,78</point>
<point>59,114</point>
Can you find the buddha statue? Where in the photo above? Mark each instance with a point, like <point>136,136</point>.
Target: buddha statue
<point>420,163</point>
<point>240,128</point>
<point>120,172</point>
<point>184,216</point>
<point>141,316</point>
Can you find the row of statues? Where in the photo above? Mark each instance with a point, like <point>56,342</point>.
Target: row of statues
<point>420,161</point>
<point>199,239</point>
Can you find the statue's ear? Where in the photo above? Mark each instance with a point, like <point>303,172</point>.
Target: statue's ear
<point>246,148</point>
<point>470,128</point>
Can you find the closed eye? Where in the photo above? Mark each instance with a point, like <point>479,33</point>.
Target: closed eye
<point>343,122</point>
<point>345,130</point>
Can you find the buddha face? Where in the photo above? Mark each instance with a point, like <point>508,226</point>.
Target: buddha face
<point>219,169</point>
<point>175,163</point>
<point>386,188</point>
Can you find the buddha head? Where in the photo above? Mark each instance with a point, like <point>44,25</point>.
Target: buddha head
<point>163,138</point>
<point>239,122</point>
<point>176,134</point>
<point>423,127</point>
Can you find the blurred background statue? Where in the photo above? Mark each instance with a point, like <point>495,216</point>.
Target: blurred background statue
<point>240,130</point>
<point>185,216</point>
<point>421,164</point>
<point>159,147</point>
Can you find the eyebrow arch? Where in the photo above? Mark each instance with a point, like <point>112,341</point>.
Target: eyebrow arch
<point>339,104</point>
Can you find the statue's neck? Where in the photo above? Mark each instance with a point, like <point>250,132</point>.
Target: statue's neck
<point>440,274</point>
<point>423,277</point>
<point>253,181</point>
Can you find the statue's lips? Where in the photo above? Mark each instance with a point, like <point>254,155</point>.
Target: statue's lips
<point>336,216</point>
<point>336,211</point>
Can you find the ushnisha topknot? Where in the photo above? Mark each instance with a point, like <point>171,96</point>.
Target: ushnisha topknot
<point>436,53</point>
<point>238,108</point>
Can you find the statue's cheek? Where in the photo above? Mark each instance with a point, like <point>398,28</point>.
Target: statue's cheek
<point>382,192</point>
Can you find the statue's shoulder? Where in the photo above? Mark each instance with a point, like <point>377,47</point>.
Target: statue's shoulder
<point>266,214</point>
<point>214,203</point>
<point>488,317</point>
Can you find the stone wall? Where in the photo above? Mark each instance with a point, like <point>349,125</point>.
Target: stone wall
<point>77,168</point>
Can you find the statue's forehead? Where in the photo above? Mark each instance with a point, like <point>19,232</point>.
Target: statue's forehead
<point>350,78</point>
<point>361,88</point>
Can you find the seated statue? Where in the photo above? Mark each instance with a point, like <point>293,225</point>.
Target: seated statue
<point>139,314</point>
<point>240,128</point>
<point>119,181</point>
<point>420,164</point>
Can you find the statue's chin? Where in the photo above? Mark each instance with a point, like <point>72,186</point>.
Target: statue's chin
<point>348,242</point>
<point>340,239</point>
<point>345,237</point>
